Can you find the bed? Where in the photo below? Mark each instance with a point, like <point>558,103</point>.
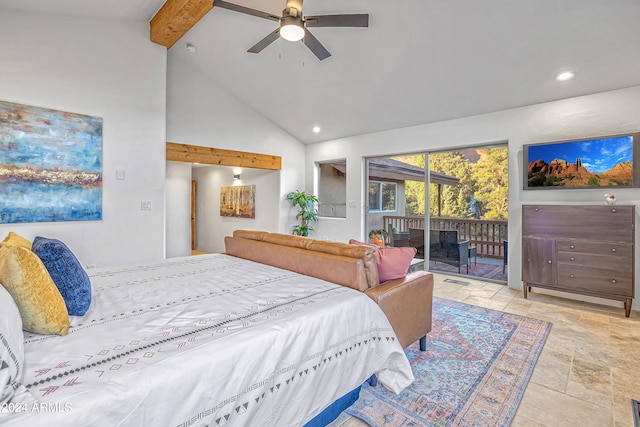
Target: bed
<point>210,340</point>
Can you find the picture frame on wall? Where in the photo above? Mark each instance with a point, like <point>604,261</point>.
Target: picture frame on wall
<point>238,201</point>
<point>609,161</point>
<point>50,165</point>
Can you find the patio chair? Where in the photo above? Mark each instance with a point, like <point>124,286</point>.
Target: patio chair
<point>416,239</point>
<point>445,247</point>
<point>505,244</point>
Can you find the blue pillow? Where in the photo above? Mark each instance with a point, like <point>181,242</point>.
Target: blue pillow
<point>67,273</point>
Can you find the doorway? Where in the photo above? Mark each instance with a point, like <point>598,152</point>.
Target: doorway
<point>472,216</point>
<point>459,218</point>
<point>193,214</point>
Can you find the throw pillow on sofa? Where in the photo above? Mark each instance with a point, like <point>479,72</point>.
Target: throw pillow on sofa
<point>393,263</point>
<point>67,273</point>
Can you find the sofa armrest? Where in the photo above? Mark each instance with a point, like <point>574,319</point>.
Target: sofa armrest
<point>407,302</point>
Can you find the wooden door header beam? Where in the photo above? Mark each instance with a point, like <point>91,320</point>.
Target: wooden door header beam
<point>220,157</point>
<point>175,18</point>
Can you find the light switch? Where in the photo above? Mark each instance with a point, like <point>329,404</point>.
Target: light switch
<point>120,174</point>
<point>145,205</point>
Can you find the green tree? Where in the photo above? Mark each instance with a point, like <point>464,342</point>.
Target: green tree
<point>490,174</point>
<point>456,200</point>
<point>481,192</point>
<point>414,190</point>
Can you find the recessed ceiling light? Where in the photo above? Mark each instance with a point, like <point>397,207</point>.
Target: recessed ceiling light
<point>565,75</point>
<point>316,129</point>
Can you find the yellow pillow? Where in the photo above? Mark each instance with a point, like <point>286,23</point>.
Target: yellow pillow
<point>14,239</point>
<point>26,278</point>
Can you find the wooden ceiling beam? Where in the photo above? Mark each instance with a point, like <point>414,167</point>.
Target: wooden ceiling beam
<point>217,156</point>
<point>175,18</point>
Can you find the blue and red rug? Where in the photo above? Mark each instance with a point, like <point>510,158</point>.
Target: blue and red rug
<point>474,372</point>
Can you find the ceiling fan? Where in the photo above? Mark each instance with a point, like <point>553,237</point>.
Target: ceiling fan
<point>293,25</point>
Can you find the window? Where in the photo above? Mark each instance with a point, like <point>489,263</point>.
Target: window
<point>332,189</point>
<point>382,196</point>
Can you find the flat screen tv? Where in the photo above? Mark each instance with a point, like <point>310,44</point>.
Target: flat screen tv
<point>608,161</point>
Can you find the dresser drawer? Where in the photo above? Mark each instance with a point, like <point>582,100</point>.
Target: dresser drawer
<point>596,248</point>
<point>579,260</point>
<point>594,222</point>
<point>593,280</point>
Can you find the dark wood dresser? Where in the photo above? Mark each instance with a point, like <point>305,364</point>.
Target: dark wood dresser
<point>583,249</point>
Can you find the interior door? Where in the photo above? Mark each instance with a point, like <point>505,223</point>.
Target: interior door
<point>193,215</point>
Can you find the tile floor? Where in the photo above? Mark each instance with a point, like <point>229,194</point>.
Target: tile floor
<point>589,368</point>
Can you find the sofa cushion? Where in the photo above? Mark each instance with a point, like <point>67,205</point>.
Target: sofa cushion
<point>367,255</point>
<point>250,234</point>
<point>344,271</point>
<point>26,278</point>
<point>392,263</point>
<point>14,239</point>
<point>67,273</point>
<point>292,241</point>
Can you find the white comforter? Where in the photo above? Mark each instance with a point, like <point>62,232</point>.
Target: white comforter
<point>208,340</point>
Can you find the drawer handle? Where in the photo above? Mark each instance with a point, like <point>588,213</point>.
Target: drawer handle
<point>613,210</point>
<point>549,262</point>
<point>572,276</point>
<point>572,258</point>
<point>613,281</point>
<point>572,247</point>
<point>537,209</point>
<point>613,249</point>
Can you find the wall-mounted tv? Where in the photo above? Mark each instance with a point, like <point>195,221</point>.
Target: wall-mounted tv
<point>608,161</point>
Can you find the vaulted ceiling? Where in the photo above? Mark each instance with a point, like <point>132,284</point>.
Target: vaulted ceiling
<point>420,61</point>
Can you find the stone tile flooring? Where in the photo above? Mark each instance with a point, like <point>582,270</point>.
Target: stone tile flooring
<point>589,368</point>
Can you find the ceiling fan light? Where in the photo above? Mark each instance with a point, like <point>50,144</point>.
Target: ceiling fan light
<point>291,29</point>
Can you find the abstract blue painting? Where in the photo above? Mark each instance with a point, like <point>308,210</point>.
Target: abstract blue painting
<point>50,165</point>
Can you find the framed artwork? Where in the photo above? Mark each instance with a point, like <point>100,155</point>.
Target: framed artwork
<point>50,165</point>
<point>608,161</point>
<point>238,201</point>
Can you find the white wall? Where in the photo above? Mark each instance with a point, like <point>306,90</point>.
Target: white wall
<point>210,225</point>
<point>199,112</point>
<point>178,195</point>
<point>599,114</point>
<point>103,68</point>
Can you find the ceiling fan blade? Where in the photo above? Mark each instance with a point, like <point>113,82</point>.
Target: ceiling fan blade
<point>354,20</point>
<point>315,46</point>
<point>246,10</point>
<point>257,48</point>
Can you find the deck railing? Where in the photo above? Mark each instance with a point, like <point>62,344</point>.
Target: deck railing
<point>487,236</point>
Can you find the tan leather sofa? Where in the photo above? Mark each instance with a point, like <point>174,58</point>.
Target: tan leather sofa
<point>407,302</point>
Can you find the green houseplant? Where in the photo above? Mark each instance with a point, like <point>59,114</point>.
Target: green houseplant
<point>307,205</point>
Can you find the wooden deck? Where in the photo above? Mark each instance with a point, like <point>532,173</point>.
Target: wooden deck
<point>487,236</point>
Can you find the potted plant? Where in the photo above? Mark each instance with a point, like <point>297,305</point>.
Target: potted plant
<point>307,211</point>
<point>378,237</point>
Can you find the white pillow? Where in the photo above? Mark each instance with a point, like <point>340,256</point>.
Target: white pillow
<point>11,347</point>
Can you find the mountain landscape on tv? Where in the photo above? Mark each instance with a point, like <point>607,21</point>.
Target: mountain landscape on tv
<point>560,173</point>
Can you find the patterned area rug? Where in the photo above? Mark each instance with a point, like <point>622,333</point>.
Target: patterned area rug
<point>480,269</point>
<point>474,372</point>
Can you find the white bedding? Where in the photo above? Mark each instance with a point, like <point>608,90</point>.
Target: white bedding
<point>208,340</point>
